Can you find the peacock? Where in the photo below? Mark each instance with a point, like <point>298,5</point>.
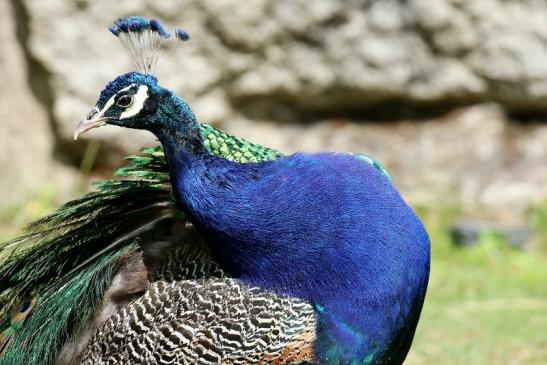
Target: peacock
<point>210,249</point>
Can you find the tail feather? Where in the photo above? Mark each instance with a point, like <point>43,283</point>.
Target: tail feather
<point>67,259</point>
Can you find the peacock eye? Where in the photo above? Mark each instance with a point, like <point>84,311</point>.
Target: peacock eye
<point>125,101</point>
<point>23,307</point>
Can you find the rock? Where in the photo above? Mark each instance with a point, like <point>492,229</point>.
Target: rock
<point>284,59</point>
<point>341,65</point>
<point>467,232</point>
<point>26,138</point>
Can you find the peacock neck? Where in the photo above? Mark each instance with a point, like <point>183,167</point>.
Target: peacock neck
<point>181,149</point>
<point>180,133</point>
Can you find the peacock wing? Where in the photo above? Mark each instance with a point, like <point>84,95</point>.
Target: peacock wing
<point>191,312</point>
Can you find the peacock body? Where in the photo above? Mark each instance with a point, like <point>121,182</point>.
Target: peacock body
<point>215,250</point>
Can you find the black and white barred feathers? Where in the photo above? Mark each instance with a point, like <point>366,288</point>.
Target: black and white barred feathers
<point>188,312</point>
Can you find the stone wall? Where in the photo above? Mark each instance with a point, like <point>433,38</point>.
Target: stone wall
<point>281,63</point>
<point>27,141</point>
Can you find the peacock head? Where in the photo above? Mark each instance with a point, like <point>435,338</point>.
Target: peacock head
<point>135,99</point>
<point>131,100</point>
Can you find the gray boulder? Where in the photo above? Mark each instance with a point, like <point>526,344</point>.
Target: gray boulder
<point>285,59</point>
<point>27,162</point>
<point>252,65</point>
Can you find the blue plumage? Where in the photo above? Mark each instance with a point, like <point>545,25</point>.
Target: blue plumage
<point>182,35</point>
<point>328,228</point>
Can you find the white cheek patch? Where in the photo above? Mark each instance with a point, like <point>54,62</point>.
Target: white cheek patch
<point>138,102</point>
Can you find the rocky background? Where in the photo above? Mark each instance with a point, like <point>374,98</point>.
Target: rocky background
<point>451,95</point>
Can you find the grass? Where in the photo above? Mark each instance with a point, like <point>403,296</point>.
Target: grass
<point>16,215</point>
<point>485,305</point>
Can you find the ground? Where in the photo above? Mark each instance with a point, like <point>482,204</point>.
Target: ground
<point>485,305</point>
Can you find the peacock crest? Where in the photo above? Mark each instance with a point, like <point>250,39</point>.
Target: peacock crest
<point>145,40</point>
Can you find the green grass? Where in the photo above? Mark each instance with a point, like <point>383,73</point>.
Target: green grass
<point>485,305</point>
<point>16,215</point>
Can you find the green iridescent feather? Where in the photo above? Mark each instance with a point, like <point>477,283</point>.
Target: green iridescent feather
<point>66,260</point>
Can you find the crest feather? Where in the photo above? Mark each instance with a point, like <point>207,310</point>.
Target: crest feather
<point>145,40</point>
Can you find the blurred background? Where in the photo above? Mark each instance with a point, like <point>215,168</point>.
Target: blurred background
<point>450,95</point>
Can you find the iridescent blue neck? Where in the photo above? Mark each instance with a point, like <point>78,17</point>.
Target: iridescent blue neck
<point>180,132</point>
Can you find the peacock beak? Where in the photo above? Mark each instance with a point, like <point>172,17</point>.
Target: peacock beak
<point>94,119</point>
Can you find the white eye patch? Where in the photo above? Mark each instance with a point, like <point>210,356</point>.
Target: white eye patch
<point>113,99</point>
<point>138,103</point>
